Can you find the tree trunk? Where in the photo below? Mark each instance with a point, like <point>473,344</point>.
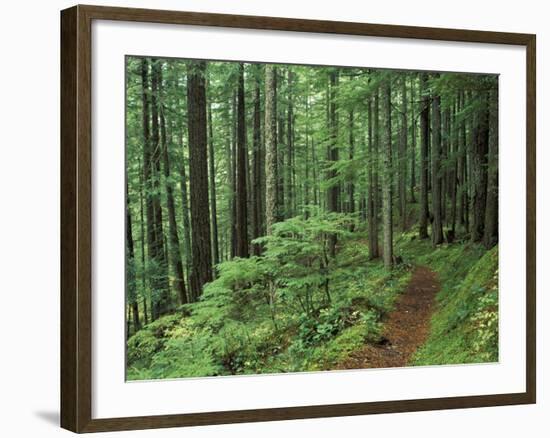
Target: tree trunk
<point>289,201</point>
<point>424,140</point>
<point>479,169</point>
<point>142,239</point>
<point>333,195</point>
<point>463,170</point>
<point>413,142</point>
<point>402,168</point>
<point>241,249</point>
<point>271,164</point>
<point>437,226</point>
<point>130,266</point>
<point>281,166</point>
<point>175,255</point>
<point>351,186</point>
<point>316,187</point>
<point>459,162</point>
<point>377,206</point>
<point>162,302</point>
<point>387,176</point>
<point>201,270</point>
<point>146,126</point>
<point>372,208</point>
<point>307,183</point>
<point>490,237</point>
<point>453,150</point>
<point>213,203</point>
<point>185,210</point>
<point>234,174</point>
<point>256,187</point>
<point>443,164</point>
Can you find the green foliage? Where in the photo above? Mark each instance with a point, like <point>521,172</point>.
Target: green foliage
<point>150,340</point>
<point>234,329</point>
<point>273,313</point>
<point>295,307</point>
<point>465,325</point>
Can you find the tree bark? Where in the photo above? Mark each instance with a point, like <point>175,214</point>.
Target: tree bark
<point>175,254</point>
<point>424,140</point>
<point>185,210</point>
<point>146,128</point>
<point>130,266</point>
<point>241,249</point>
<point>142,238</point>
<point>213,203</point>
<point>289,201</point>
<point>234,174</point>
<point>333,195</point>
<point>413,143</point>
<point>372,208</point>
<point>257,213</point>
<point>453,150</point>
<point>490,237</point>
<point>479,169</point>
<point>351,185</point>
<point>162,303</point>
<point>402,168</point>
<point>201,270</point>
<point>307,183</point>
<point>437,226</point>
<point>281,149</point>
<point>444,165</point>
<point>271,164</point>
<point>463,170</point>
<point>387,176</point>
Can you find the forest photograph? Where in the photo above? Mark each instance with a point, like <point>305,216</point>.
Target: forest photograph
<point>298,218</point>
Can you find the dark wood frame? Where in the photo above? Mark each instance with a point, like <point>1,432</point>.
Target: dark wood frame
<point>76,218</point>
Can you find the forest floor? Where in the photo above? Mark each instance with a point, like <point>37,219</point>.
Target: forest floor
<point>406,327</point>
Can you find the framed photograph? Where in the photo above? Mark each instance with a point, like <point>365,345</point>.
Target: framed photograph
<point>271,218</point>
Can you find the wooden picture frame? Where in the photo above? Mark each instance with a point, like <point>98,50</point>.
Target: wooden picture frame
<point>76,217</point>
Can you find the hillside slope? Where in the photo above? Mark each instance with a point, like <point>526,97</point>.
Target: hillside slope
<point>464,326</point>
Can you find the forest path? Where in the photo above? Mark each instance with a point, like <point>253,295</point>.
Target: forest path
<point>406,327</point>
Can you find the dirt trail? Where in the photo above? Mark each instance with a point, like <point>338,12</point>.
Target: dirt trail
<point>406,327</point>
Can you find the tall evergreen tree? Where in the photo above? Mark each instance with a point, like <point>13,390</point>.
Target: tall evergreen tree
<point>437,225</point>
<point>130,266</point>
<point>413,140</point>
<point>175,253</point>
<point>212,175</point>
<point>162,301</point>
<point>387,175</point>
<point>372,207</point>
<point>241,249</point>
<point>402,159</point>
<point>490,237</point>
<point>271,165</point>
<point>333,195</point>
<point>424,146</point>
<point>201,270</point>
<point>480,147</point>
<point>351,152</point>
<point>257,155</point>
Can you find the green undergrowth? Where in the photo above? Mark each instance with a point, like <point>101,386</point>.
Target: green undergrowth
<point>237,329</point>
<point>464,326</point>
<point>273,314</point>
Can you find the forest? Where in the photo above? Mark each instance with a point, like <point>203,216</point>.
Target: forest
<point>287,218</point>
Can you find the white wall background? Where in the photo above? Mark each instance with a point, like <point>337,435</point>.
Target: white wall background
<point>29,218</point>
